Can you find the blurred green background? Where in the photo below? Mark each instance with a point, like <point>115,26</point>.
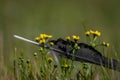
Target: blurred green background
<point>29,18</point>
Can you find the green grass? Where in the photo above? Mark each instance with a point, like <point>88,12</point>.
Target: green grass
<point>44,66</point>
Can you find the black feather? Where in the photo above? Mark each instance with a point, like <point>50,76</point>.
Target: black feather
<point>86,53</point>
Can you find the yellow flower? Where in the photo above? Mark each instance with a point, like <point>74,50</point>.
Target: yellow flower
<point>91,31</point>
<point>49,36</point>
<point>97,33</point>
<point>51,43</point>
<point>87,33</point>
<point>107,44</point>
<point>49,59</point>
<point>68,38</point>
<point>65,66</point>
<point>42,36</point>
<point>42,41</point>
<point>37,39</point>
<point>45,36</point>
<point>76,38</point>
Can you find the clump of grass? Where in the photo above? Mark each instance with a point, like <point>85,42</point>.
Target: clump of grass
<point>43,66</point>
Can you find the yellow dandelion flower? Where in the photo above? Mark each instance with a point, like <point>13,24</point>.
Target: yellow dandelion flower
<point>42,41</point>
<point>68,38</point>
<point>87,33</point>
<point>65,65</point>
<point>97,33</point>
<point>50,59</point>
<point>37,39</point>
<point>107,44</point>
<point>45,36</point>
<point>76,38</point>
<point>91,31</point>
<point>42,36</point>
<point>51,43</point>
<point>48,36</point>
